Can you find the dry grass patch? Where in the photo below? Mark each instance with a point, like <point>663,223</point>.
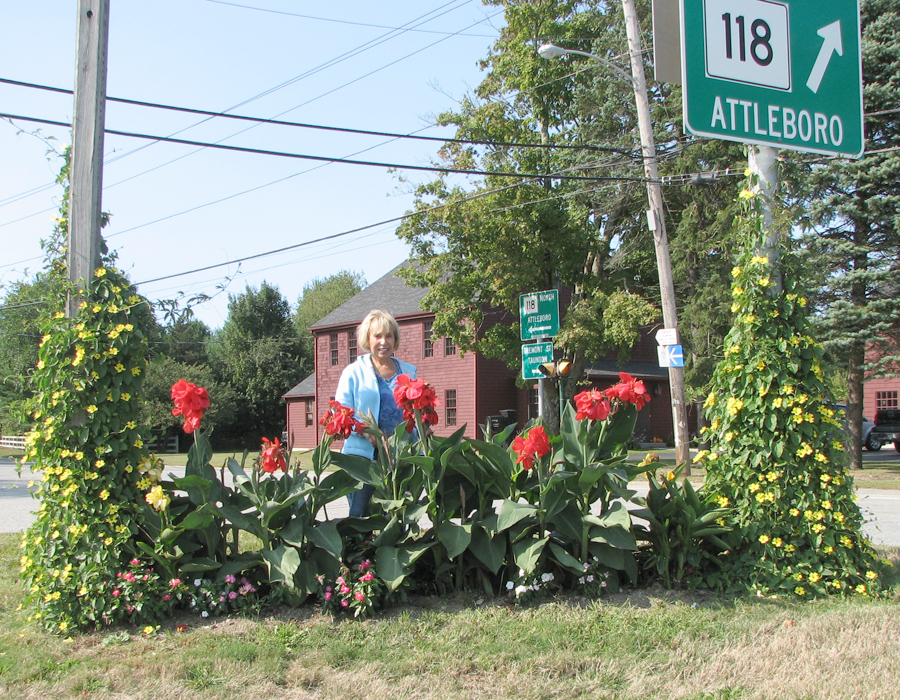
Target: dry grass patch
<point>648,644</point>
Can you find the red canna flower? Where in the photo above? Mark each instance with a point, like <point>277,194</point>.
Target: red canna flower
<point>629,390</point>
<point>535,444</point>
<point>273,456</point>
<point>339,421</point>
<point>591,404</point>
<point>416,395</point>
<point>190,401</point>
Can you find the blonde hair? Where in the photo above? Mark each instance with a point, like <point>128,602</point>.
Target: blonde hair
<point>380,322</point>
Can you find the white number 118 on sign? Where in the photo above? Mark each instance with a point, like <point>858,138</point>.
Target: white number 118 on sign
<point>748,41</point>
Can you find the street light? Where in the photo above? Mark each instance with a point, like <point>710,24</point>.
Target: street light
<point>656,213</point>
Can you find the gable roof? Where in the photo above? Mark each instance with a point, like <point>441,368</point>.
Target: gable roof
<point>305,388</point>
<point>389,293</point>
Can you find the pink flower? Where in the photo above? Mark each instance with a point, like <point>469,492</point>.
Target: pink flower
<point>230,579</point>
<point>135,562</point>
<point>174,583</point>
<point>116,593</point>
<point>368,576</point>
<point>167,596</point>
<point>328,595</point>
<point>345,589</point>
<point>345,603</point>
<point>232,595</point>
<point>360,596</point>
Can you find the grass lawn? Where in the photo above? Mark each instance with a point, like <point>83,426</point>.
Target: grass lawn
<point>647,643</point>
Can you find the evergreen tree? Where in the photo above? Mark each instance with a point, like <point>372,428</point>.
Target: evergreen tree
<point>856,228</point>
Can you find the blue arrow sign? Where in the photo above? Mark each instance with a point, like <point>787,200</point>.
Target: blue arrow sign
<point>670,355</point>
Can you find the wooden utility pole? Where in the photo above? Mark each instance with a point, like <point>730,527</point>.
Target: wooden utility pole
<point>86,173</point>
<point>657,219</point>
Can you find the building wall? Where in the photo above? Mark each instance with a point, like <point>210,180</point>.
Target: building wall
<point>301,435</point>
<point>496,390</point>
<point>889,388</point>
<point>483,386</point>
<point>444,371</point>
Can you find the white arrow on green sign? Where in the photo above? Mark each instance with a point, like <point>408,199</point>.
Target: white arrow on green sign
<point>539,314</point>
<point>533,356</point>
<point>783,73</point>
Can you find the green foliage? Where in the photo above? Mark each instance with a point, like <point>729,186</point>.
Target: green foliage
<point>156,406</point>
<point>87,444</point>
<point>683,536</point>
<point>853,230</point>
<point>20,336</point>
<point>477,249</point>
<point>258,353</point>
<point>320,297</point>
<point>777,454</point>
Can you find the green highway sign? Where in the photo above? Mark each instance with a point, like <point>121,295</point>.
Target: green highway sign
<point>533,356</point>
<point>539,314</point>
<point>782,73</point>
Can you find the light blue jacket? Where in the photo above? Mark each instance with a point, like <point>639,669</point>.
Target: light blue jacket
<point>358,389</point>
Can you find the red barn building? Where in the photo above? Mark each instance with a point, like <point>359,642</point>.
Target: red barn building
<point>471,387</point>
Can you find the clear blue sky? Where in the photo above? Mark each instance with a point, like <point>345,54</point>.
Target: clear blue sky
<point>346,68</point>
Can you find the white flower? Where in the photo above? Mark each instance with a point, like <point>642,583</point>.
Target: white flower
<point>509,585</point>
<point>520,590</point>
<point>198,582</point>
<point>521,573</point>
<point>603,584</point>
<point>586,566</point>
<point>546,577</point>
<point>581,580</point>
<point>204,614</point>
<point>590,579</point>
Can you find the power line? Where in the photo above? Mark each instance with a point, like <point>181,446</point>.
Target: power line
<point>329,159</point>
<point>339,129</point>
<point>342,21</point>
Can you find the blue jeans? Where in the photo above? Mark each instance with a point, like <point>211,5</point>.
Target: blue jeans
<point>359,501</point>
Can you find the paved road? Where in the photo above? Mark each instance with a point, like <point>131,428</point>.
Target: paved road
<point>880,507</point>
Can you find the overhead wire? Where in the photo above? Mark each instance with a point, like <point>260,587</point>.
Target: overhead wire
<point>327,159</point>
<point>339,21</point>
<point>422,19</point>
<point>322,127</point>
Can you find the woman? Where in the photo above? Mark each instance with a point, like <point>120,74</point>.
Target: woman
<point>367,386</point>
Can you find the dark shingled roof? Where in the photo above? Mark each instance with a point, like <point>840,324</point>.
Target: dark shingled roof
<point>390,293</point>
<point>609,369</point>
<point>305,388</point>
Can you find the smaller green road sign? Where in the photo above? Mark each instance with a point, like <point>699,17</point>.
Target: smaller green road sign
<point>539,314</point>
<point>782,73</point>
<point>533,356</point>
